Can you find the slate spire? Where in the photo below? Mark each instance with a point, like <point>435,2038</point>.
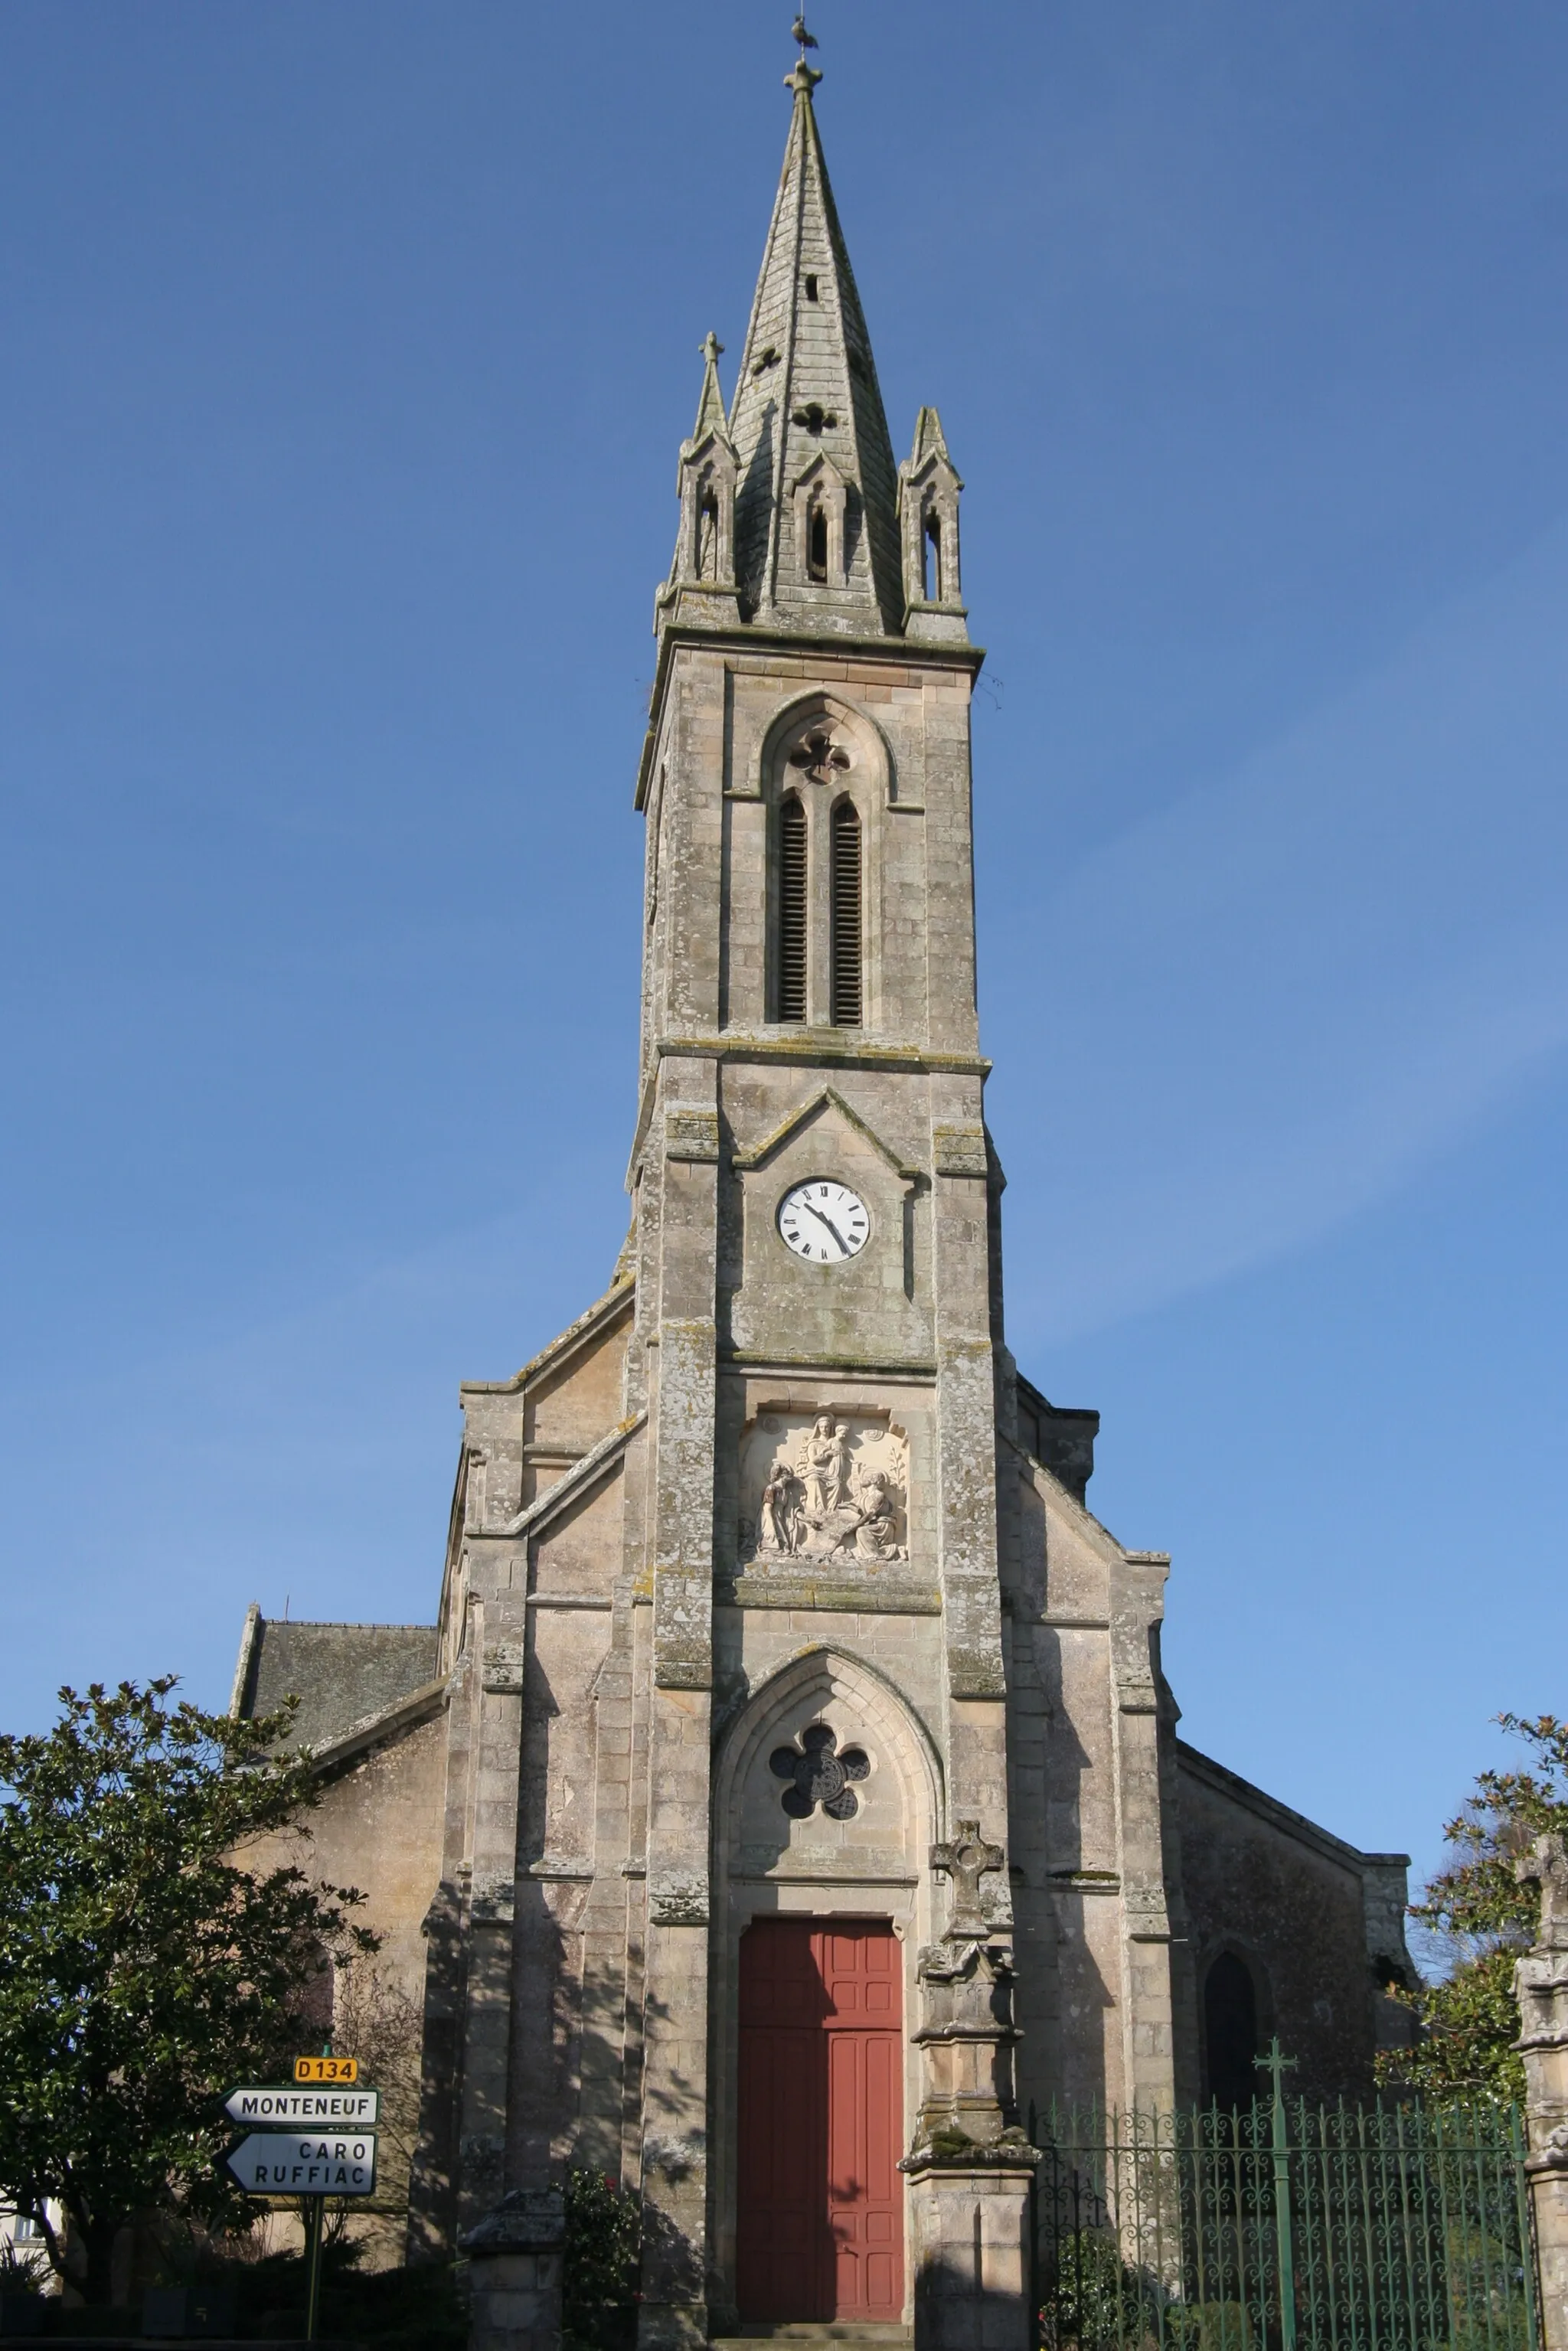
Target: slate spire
<point>817,539</point>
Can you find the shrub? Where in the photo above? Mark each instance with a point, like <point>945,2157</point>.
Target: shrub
<point>603,2249</point>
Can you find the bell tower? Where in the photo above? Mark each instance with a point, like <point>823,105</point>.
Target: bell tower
<point>819,1314</point>
<point>797,1709</point>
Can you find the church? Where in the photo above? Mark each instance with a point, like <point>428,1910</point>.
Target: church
<point>785,1811</point>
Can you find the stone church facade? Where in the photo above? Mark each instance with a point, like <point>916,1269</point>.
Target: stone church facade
<point>789,1769</point>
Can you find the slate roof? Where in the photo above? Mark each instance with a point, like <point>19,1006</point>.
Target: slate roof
<point>340,1673</point>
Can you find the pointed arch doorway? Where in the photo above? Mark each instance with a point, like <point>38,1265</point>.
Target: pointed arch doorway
<point>821,2217</point>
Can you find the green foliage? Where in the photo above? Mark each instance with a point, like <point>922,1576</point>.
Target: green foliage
<point>603,2248</point>
<point>419,2309</point>
<point>23,2269</point>
<point>1097,2301</point>
<point>1469,2025</point>
<point>1209,2326</point>
<point>1483,1916</point>
<point>416,2309</point>
<point>143,1971</point>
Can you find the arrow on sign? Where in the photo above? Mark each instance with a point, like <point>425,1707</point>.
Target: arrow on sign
<point>280,2108</point>
<point>303,2163</point>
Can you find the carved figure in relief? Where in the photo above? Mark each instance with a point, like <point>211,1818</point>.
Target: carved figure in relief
<point>824,1465</point>
<point>824,1489</point>
<point>778,1521</point>
<point>876,1536</point>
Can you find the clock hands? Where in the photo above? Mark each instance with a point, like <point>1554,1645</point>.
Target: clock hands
<point>843,1245</point>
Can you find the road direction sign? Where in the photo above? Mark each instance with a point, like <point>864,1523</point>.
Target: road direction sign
<point>326,2069</point>
<point>284,2109</point>
<point>304,2163</point>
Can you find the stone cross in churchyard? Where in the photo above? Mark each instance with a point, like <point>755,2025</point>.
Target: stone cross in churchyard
<point>966,1858</point>
<point>1541,1988</point>
<point>1547,1862</point>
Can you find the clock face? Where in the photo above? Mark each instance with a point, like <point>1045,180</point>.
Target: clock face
<point>823,1222</point>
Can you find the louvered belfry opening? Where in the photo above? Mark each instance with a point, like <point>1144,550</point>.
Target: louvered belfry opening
<point>792,911</point>
<point>846,916</point>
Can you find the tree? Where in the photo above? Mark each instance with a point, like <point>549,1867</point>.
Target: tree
<point>1480,1916</point>
<point>603,2248</point>
<point>144,1970</point>
<point>374,2019</point>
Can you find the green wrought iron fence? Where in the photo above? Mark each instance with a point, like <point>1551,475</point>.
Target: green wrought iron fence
<point>1285,2226</point>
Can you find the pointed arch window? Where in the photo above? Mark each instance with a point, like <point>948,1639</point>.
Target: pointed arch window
<point>930,559</point>
<point>707,533</point>
<point>791,981</point>
<point>1231,2031</point>
<point>844,916</point>
<point>817,544</point>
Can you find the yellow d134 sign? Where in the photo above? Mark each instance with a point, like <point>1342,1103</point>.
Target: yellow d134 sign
<point>326,2069</point>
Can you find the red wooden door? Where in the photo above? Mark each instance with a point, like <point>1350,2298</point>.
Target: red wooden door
<point>822,2122</point>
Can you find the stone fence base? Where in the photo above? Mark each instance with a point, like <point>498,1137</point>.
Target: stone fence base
<point>969,2239</point>
<point>516,2257</point>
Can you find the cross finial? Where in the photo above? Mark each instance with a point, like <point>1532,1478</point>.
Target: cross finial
<point>967,1859</point>
<point>1276,2065</point>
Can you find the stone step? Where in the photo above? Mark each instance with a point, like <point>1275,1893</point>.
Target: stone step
<point>873,2336</point>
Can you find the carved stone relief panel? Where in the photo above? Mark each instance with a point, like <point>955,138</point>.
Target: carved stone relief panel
<point>824,1485</point>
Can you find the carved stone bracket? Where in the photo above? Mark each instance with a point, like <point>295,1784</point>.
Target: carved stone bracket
<point>494,1901</point>
<point>678,1897</point>
<point>691,1134</point>
<point>959,1150</point>
<point>504,1664</point>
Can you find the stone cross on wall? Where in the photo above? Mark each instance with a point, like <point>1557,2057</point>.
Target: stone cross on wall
<point>1548,1861</point>
<point>967,1859</point>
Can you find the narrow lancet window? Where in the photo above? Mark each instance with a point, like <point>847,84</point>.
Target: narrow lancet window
<point>846,916</point>
<point>1230,2029</point>
<point>817,544</point>
<point>931,561</point>
<point>792,911</point>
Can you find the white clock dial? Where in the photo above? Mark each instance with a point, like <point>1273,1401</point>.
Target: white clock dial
<point>823,1222</point>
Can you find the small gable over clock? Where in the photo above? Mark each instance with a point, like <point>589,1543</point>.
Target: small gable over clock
<point>831,1226</point>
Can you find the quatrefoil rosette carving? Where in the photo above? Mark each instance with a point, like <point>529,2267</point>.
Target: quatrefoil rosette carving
<point>818,1775</point>
<point>818,758</point>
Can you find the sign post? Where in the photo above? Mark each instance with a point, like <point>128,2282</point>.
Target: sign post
<point>318,2213</point>
<point>304,2163</point>
<point>321,2110</point>
<point>313,2138</point>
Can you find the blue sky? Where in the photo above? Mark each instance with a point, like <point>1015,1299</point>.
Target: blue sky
<point>348,350</point>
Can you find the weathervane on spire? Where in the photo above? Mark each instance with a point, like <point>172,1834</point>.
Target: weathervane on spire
<point>804,76</point>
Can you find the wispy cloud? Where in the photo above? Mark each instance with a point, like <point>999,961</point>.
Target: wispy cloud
<point>1274,1001</point>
